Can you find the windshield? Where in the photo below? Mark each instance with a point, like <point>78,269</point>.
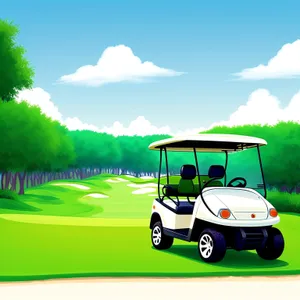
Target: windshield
<point>244,164</point>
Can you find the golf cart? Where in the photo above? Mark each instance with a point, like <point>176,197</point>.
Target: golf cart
<point>208,208</point>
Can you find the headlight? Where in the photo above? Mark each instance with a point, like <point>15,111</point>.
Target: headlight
<point>225,213</point>
<point>273,213</point>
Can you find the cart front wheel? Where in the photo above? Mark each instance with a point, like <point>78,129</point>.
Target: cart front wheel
<point>211,245</point>
<point>274,245</point>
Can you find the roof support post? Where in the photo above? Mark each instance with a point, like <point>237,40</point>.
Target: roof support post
<point>197,166</point>
<point>262,171</point>
<point>159,173</point>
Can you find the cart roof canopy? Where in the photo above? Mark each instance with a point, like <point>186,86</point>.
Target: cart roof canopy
<point>208,143</point>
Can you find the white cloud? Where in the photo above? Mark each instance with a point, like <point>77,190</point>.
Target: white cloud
<point>37,96</point>
<point>285,64</point>
<point>76,124</point>
<point>116,64</point>
<point>265,109</point>
<point>139,126</point>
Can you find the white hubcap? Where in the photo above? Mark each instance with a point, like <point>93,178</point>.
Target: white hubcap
<point>156,235</point>
<point>206,245</point>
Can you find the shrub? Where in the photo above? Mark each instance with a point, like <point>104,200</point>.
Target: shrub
<point>8,194</point>
<point>284,202</point>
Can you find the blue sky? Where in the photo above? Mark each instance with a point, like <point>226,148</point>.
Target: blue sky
<point>208,40</point>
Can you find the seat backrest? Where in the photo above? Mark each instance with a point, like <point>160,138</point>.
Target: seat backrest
<point>186,185</point>
<point>216,171</point>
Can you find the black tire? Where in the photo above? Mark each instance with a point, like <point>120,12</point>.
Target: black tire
<point>159,240</point>
<point>217,243</point>
<point>274,245</point>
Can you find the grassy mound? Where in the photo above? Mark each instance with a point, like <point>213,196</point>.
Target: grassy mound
<point>9,201</point>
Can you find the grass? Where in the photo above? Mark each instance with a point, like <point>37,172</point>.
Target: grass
<point>43,248</point>
<point>61,236</point>
<point>121,203</point>
<point>50,199</point>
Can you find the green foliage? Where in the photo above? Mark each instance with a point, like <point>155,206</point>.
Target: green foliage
<point>136,156</point>
<point>284,202</point>
<point>95,149</point>
<point>30,140</point>
<point>15,71</point>
<point>281,156</point>
<point>8,194</point>
<point>64,156</point>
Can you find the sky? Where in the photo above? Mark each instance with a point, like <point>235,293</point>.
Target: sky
<point>177,67</point>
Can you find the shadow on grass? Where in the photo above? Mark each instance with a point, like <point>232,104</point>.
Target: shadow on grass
<point>142,181</point>
<point>48,188</point>
<point>96,183</point>
<point>232,259</point>
<point>43,199</point>
<point>16,205</point>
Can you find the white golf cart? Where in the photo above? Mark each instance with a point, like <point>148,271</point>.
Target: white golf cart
<point>207,209</point>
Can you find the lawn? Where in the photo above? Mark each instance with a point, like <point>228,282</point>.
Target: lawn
<point>67,235</point>
<point>56,199</point>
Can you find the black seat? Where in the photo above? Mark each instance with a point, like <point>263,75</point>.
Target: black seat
<point>216,171</point>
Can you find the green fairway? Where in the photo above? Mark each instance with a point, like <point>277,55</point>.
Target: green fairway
<point>59,198</point>
<point>65,236</point>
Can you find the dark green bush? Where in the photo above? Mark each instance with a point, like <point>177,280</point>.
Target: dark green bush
<point>284,202</point>
<point>8,194</point>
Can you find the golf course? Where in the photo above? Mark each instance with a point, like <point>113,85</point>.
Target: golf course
<point>99,226</point>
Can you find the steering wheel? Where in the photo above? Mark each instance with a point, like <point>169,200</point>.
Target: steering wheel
<point>165,195</point>
<point>241,184</point>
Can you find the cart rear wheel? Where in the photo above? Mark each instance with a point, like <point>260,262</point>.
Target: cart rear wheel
<point>160,241</point>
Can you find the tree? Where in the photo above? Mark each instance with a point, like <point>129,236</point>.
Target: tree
<point>64,156</point>
<point>94,151</point>
<point>30,141</point>
<point>136,157</point>
<point>15,71</point>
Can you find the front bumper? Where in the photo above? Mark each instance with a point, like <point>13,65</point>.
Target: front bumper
<point>249,238</point>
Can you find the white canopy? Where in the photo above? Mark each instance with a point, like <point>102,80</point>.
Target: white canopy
<point>208,143</point>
